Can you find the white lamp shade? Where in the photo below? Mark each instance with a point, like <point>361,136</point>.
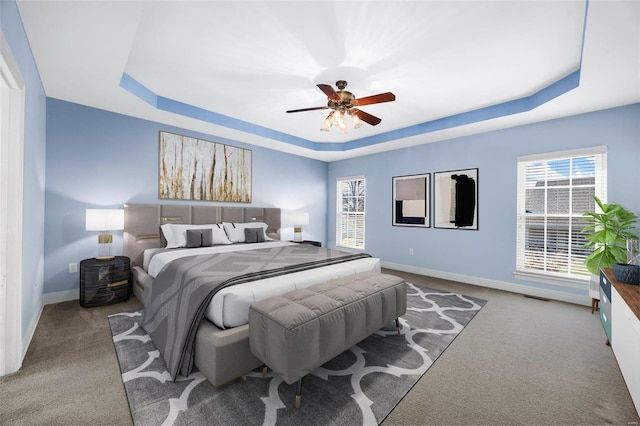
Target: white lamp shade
<point>104,219</point>
<point>298,218</point>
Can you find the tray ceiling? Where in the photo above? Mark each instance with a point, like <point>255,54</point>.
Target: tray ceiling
<point>232,69</point>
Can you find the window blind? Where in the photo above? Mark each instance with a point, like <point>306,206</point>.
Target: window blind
<point>350,220</point>
<point>554,190</point>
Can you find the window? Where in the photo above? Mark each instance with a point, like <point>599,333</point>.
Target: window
<point>350,212</point>
<point>553,191</point>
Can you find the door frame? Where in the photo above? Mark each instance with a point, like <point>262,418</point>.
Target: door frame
<point>12,111</point>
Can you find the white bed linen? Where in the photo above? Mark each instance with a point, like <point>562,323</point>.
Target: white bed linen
<point>230,306</point>
<point>156,259</point>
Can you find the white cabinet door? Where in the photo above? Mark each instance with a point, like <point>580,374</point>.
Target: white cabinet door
<point>625,341</point>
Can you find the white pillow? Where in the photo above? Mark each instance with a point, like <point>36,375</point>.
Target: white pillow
<point>167,231</point>
<point>235,231</point>
<point>176,234</point>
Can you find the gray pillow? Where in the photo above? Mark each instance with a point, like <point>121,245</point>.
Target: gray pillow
<point>253,235</point>
<point>199,238</point>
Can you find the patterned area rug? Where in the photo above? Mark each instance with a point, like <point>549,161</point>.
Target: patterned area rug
<point>360,386</point>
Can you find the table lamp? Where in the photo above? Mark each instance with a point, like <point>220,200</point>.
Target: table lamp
<point>297,220</point>
<point>105,221</point>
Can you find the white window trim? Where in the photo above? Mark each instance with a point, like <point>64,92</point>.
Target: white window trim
<point>551,156</point>
<point>569,281</point>
<point>12,105</point>
<point>339,212</point>
<point>550,278</point>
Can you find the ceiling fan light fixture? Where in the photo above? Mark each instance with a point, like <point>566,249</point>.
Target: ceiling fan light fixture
<point>340,121</point>
<point>342,103</point>
<point>357,123</point>
<point>326,126</point>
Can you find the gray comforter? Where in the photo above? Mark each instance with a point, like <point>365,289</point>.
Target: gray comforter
<point>182,291</point>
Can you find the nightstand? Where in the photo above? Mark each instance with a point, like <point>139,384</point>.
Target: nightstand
<point>313,243</point>
<point>103,282</point>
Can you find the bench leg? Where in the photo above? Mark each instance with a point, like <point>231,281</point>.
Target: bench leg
<point>398,325</point>
<point>299,393</point>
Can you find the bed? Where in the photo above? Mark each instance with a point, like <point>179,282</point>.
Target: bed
<point>221,342</point>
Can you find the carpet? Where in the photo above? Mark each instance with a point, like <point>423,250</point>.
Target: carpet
<point>360,386</point>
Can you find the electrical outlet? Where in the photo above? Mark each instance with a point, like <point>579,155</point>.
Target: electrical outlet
<point>73,267</point>
<point>411,252</point>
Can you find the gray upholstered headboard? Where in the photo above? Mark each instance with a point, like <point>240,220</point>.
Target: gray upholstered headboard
<point>142,222</point>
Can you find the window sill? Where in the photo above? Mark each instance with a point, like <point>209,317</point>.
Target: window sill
<point>350,249</point>
<point>562,281</point>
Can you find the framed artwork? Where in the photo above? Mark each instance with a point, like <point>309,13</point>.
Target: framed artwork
<point>411,200</point>
<point>455,199</point>
<point>199,170</point>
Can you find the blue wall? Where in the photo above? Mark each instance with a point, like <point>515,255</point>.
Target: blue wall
<point>34,167</point>
<point>488,253</point>
<point>85,148</point>
<point>99,159</point>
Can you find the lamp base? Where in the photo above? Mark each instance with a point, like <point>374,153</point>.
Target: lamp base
<point>104,246</point>
<point>297,233</point>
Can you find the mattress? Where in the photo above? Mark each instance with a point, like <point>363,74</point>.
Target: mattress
<point>230,306</point>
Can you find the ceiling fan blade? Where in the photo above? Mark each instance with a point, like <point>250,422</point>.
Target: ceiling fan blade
<point>328,90</point>
<point>308,109</point>
<point>375,99</point>
<point>366,117</point>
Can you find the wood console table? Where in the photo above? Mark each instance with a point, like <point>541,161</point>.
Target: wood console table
<point>620,316</point>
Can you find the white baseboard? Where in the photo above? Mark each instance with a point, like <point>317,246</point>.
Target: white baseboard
<point>64,296</point>
<point>60,296</point>
<point>47,299</point>
<point>498,285</point>
<point>31,331</point>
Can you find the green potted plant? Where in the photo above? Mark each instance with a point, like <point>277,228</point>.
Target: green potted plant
<point>607,233</point>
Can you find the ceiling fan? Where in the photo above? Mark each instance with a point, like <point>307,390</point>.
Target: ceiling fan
<point>344,103</point>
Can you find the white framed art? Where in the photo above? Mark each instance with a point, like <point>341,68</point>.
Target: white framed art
<point>455,199</point>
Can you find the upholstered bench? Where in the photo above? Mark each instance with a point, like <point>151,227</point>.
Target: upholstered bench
<point>297,332</point>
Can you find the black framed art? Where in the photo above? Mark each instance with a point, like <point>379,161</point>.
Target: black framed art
<point>411,195</point>
<point>455,199</point>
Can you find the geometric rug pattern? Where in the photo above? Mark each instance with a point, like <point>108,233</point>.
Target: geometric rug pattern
<point>360,386</point>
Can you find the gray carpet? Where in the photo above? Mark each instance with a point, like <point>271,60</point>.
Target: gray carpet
<point>520,361</point>
<point>360,386</point>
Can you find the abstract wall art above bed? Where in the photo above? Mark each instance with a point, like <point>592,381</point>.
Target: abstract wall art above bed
<point>200,170</point>
<point>411,201</point>
<point>455,199</point>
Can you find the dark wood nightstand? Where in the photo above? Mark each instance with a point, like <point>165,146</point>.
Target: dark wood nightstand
<point>103,282</point>
<point>313,243</point>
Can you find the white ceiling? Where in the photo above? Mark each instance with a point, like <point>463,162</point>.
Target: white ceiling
<point>248,62</point>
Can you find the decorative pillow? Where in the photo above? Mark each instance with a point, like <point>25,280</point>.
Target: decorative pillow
<point>253,235</point>
<point>199,237</point>
<point>167,233</point>
<point>235,231</point>
<point>219,236</point>
<point>176,234</point>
